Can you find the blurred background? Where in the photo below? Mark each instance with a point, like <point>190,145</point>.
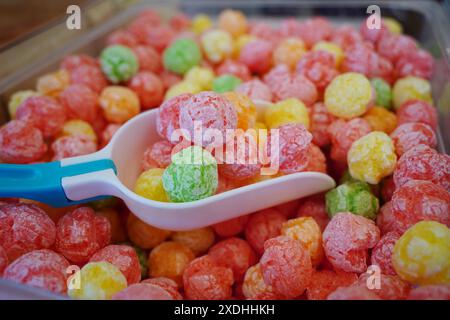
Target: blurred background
<point>21,19</point>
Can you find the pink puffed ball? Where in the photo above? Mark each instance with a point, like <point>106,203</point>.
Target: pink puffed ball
<point>122,37</point>
<point>417,63</point>
<point>255,90</point>
<point>313,30</point>
<point>382,252</point>
<point>80,102</point>
<point>257,56</point>
<point>158,155</point>
<point>318,67</point>
<point>234,68</point>
<point>417,111</point>
<point>148,58</point>
<point>408,135</point>
<point>72,146</point>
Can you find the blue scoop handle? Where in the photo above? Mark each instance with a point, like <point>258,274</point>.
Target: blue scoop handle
<point>42,181</point>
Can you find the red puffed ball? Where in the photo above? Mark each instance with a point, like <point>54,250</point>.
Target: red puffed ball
<point>80,102</point>
<point>75,61</point>
<point>313,30</point>
<point>168,118</point>
<point>290,27</point>
<point>149,89</point>
<point>233,253</point>
<point>81,233</point>
<point>122,37</point>
<point>159,37</point>
<point>293,147</point>
<point>43,269</point>
<point>285,85</point>
<point>320,120</point>
<point>411,134</point>
<point>325,282</point>
<point>385,219</point>
<point>262,226</point>
<point>232,227</point>
<point>255,90</point>
<point>3,260</point>
<point>318,67</point>
<point>417,111</point>
<point>317,161</point>
<point>345,36</point>
<point>90,76</point>
<point>263,30</point>
<point>288,209</point>
<point>286,266</point>
<point>179,22</point>
<point>124,258</point>
<point>372,35</point>
<point>392,287</point>
<point>148,58</point>
<point>21,143</point>
<point>158,155</point>
<point>346,241</point>
<point>146,20</point>
<point>142,291</point>
<point>343,134</point>
<point>382,252</point>
<point>167,284</point>
<point>203,279</point>
<point>24,228</point>
<point>361,58</point>
<point>393,46</point>
<point>211,111</point>
<point>387,188</point>
<point>72,146</point>
<point>430,292</point>
<point>418,63</point>
<point>419,200</point>
<point>257,56</point>
<point>315,207</point>
<point>109,132</point>
<point>423,163</point>
<point>44,113</point>
<point>353,292</point>
<point>234,68</point>
<point>240,160</point>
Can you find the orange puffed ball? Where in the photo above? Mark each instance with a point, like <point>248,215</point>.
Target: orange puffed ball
<point>145,235</point>
<point>289,52</point>
<point>233,21</point>
<point>307,231</point>
<point>245,108</point>
<point>198,240</point>
<point>53,84</point>
<point>254,285</point>
<point>169,260</point>
<point>119,104</point>
<point>381,119</point>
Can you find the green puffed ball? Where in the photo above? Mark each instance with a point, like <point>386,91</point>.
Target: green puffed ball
<point>383,93</point>
<point>181,56</point>
<point>118,63</point>
<point>191,176</point>
<point>225,83</point>
<point>352,196</point>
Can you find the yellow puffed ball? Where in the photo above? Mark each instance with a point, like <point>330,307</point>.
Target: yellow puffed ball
<point>201,23</point>
<point>53,84</point>
<point>217,45</point>
<point>240,42</point>
<point>411,88</point>
<point>149,185</point>
<point>233,21</point>
<point>180,88</point>
<point>372,157</point>
<point>287,111</point>
<point>78,127</point>
<point>393,25</point>
<point>422,254</point>
<point>348,95</point>
<point>381,119</point>
<point>16,100</point>
<point>307,231</point>
<point>245,108</point>
<point>98,281</point>
<point>332,48</point>
<point>203,77</point>
<point>119,104</point>
<point>288,52</point>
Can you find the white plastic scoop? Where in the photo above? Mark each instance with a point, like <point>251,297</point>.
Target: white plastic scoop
<point>126,149</point>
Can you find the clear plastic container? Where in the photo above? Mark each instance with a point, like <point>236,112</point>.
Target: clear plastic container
<point>23,63</point>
